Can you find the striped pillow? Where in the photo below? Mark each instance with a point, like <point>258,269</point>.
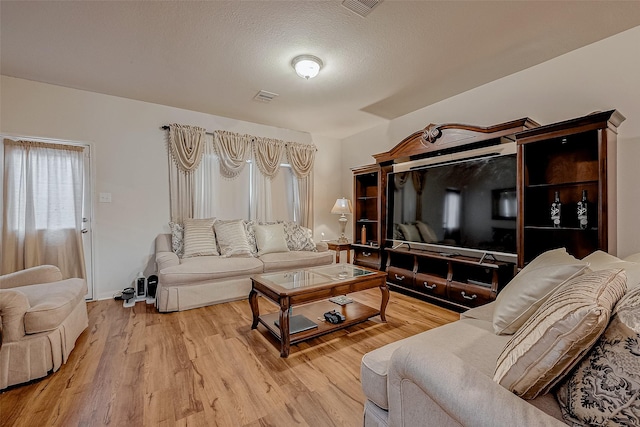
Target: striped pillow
<point>232,238</point>
<point>559,333</point>
<point>198,238</point>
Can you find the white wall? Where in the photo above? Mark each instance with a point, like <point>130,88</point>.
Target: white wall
<point>130,159</point>
<point>601,76</point>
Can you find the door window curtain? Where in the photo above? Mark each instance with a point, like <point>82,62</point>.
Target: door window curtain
<point>42,207</point>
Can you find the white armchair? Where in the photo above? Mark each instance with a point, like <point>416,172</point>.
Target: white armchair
<point>41,316</point>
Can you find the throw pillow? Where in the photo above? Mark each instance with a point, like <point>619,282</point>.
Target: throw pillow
<point>633,258</point>
<point>198,238</point>
<point>410,232</point>
<point>298,238</point>
<point>559,334</point>
<point>270,239</point>
<point>427,233</point>
<point>522,296</point>
<point>605,387</point>
<point>251,236</point>
<point>232,238</point>
<point>177,236</point>
<point>600,260</point>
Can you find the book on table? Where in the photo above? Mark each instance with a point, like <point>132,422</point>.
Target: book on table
<point>298,323</point>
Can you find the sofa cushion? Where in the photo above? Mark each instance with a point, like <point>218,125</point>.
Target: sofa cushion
<point>199,239</point>
<point>633,258</point>
<point>51,303</point>
<point>604,388</point>
<point>232,238</point>
<point>531,287</point>
<point>294,259</point>
<point>199,269</point>
<point>270,239</point>
<point>298,238</point>
<point>559,334</point>
<point>472,340</point>
<point>600,260</point>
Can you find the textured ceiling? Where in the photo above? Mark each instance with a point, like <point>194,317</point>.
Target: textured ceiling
<point>214,57</point>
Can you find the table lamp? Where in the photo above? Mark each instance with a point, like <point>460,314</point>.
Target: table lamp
<point>342,207</point>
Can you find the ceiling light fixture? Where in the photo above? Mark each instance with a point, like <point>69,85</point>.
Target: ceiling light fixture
<point>307,66</point>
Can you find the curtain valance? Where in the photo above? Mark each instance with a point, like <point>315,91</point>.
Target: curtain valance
<point>186,144</point>
<point>301,157</point>
<point>234,150</point>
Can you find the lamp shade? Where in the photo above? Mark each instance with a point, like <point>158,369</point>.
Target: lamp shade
<point>342,206</point>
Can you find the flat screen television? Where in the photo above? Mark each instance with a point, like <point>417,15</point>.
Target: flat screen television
<point>460,206</point>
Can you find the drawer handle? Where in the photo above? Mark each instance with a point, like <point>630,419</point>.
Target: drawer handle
<point>474,296</point>
<point>399,277</point>
<point>426,285</point>
<point>366,253</point>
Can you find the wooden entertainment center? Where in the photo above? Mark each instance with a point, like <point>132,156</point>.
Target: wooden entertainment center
<point>566,157</point>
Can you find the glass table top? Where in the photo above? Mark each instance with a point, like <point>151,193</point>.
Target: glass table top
<point>316,276</point>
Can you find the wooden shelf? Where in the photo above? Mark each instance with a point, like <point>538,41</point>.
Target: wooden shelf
<point>568,158</point>
<point>354,312</point>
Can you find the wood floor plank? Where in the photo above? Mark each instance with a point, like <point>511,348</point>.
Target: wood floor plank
<point>207,367</point>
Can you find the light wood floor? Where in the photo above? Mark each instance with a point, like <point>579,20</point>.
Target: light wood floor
<point>206,367</point>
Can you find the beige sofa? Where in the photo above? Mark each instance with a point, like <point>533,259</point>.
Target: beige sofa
<point>186,283</point>
<point>41,318</point>
<point>444,377</point>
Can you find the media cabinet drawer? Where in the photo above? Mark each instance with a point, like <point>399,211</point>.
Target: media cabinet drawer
<point>429,284</point>
<point>367,255</point>
<point>400,276</point>
<point>469,295</point>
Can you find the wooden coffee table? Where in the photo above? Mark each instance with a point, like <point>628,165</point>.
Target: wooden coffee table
<point>309,291</point>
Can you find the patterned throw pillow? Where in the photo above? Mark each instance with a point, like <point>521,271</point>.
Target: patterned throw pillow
<point>251,236</point>
<point>559,333</point>
<point>198,238</point>
<point>232,238</point>
<point>298,237</point>
<point>177,235</point>
<point>605,387</point>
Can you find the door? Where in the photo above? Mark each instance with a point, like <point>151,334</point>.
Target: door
<point>47,193</point>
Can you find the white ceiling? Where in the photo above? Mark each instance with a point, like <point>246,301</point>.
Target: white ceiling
<point>214,57</point>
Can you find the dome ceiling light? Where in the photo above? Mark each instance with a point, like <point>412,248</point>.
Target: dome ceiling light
<point>307,66</point>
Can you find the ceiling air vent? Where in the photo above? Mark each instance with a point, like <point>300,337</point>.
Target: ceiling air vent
<point>265,96</point>
<point>361,7</point>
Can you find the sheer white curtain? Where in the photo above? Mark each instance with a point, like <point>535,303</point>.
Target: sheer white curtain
<point>42,207</point>
<point>207,183</point>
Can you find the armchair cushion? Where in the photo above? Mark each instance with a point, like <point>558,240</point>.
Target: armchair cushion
<point>51,304</point>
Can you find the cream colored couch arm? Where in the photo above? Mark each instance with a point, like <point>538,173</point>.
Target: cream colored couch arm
<point>164,254</point>
<point>31,276</point>
<point>13,306</point>
<point>166,259</point>
<point>322,247</point>
<point>432,387</point>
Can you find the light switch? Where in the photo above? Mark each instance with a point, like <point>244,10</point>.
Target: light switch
<point>105,197</point>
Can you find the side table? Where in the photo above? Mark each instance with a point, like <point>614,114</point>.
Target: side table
<point>339,247</point>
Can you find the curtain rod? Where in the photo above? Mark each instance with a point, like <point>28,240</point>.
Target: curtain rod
<point>165,127</point>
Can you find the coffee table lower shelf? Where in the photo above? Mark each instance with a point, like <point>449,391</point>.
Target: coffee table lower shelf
<point>354,312</point>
